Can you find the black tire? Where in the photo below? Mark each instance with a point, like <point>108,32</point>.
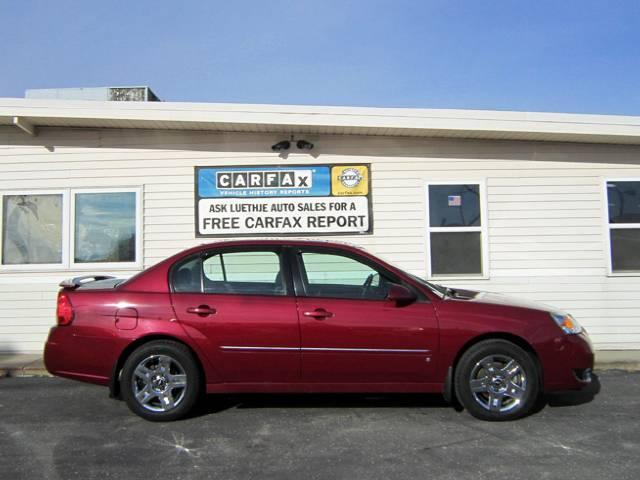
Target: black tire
<point>156,371</point>
<point>501,393</point>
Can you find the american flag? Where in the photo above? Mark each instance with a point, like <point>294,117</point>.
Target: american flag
<point>455,200</point>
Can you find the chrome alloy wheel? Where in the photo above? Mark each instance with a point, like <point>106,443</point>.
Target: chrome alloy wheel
<point>159,383</point>
<point>498,383</point>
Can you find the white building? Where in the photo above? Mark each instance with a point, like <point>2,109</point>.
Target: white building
<point>538,205</point>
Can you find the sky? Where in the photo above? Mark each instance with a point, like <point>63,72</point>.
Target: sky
<point>536,55</point>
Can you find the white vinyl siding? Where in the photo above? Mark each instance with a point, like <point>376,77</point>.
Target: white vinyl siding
<point>545,211</point>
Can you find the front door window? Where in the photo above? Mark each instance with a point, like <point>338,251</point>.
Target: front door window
<point>338,276</point>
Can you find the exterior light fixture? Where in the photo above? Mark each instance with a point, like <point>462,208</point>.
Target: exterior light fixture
<point>304,145</point>
<point>281,146</point>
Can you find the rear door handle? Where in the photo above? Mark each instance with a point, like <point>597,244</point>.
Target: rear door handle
<point>202,310</point>
<point>318,314</point>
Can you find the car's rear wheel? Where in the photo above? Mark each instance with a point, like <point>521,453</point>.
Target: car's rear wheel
<point>161,381</point>
<point>497,380</point>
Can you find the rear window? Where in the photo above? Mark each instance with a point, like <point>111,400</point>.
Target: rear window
<point>187,277</point>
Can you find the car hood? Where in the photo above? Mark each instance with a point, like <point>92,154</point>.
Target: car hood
<point>497,299</point>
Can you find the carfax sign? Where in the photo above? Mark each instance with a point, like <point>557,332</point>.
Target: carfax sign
<point>283,200</point>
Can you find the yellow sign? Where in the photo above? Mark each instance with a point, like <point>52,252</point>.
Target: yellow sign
<point>349,180</point>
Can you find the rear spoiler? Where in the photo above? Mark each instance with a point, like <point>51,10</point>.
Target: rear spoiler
<point>73,283</point>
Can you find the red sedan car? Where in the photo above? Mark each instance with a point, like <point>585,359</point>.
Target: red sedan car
<point>303,316</point>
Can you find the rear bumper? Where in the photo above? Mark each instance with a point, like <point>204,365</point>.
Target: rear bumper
<point>569,365</point>
<point>86,359</point>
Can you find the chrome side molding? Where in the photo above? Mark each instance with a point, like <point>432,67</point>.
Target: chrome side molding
<point>324,349</point>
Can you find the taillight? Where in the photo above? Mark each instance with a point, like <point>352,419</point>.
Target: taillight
<point>65,310</point>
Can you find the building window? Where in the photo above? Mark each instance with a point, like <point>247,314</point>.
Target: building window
<point>71,229</point>
<point>32,229</point>
<point>456,230</point>
<point>623,200</point>
<point>105,227</point>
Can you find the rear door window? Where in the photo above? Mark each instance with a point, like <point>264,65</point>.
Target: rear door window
<point>243,273</point>
<point>239,273</point>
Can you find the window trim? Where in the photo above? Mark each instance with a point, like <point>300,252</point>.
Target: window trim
<point>616,226</point>
<point>68,231</point>
<point>483,229</point>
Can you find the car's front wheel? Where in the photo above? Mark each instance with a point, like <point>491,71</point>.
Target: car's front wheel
<point>497,380</point>
<point>161,381</point>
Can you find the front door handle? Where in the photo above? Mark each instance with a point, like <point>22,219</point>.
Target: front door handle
<point>202,310</point>
<point>318,314</point>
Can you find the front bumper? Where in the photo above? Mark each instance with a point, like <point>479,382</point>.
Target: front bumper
<point>568,364</point>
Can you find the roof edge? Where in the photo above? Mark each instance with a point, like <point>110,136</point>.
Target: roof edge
<point>320,119</point>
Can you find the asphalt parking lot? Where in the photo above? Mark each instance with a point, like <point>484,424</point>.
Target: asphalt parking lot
<point>58,429</point>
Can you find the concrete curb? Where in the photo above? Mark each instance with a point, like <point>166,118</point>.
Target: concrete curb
<point>628,360</point>
<point>33,369</point>
<point>22,365</point>
<point>626,366</point>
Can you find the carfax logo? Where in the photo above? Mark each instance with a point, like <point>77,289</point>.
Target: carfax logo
<point>349,180</point>
<point>264,179</point>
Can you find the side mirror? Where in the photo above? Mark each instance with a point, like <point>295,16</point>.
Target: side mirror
<point>400,295</point>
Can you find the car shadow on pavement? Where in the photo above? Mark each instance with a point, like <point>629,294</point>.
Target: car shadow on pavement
<point>573,398</point>
<point>216,403</point>
<point>220,402</point>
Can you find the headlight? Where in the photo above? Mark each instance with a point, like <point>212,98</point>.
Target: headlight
<point>567,323</point>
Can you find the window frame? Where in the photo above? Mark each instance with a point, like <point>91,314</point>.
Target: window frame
<point>608,226</point>
<point>483,229</point>
<point>68,231</point>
